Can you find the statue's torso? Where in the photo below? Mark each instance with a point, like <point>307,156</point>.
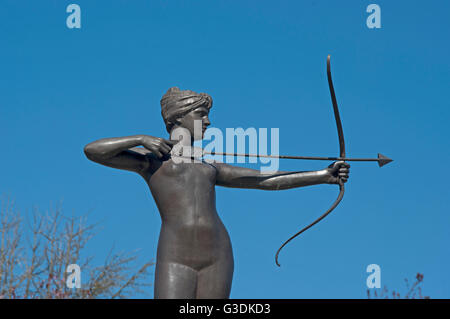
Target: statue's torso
<point>191,232</point>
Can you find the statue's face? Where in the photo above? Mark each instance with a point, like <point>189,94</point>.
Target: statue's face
<point>188,121</point>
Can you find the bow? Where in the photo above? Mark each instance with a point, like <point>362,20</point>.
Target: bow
<point>341,155</point>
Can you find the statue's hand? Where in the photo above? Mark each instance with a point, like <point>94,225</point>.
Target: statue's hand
<point>338,171</point>
<point>158,146</point>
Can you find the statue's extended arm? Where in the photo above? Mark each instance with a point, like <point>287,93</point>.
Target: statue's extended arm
<point>121,152</point>
<point>233,176</point>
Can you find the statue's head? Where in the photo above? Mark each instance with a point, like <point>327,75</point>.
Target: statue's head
<point>182,108</point>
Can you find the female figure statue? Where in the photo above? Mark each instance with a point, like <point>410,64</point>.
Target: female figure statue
<point>194,256</point>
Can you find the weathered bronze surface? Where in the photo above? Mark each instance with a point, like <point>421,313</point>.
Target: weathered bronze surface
<point>194,256</point>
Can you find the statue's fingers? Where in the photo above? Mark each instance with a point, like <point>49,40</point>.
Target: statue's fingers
<point>158,153</point>
<point>336,165</point>
<point>164,151</point>
<point>165,148</point>
<point>170,142</point>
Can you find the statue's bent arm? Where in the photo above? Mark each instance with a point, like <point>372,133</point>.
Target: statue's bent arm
<point>119,152</point>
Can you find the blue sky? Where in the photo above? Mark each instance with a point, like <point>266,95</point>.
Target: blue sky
<point>263,62</point>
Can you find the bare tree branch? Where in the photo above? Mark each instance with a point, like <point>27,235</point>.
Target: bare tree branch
<point>34,259</point>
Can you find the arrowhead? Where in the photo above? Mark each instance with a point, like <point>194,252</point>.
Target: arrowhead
<point>383,160</point>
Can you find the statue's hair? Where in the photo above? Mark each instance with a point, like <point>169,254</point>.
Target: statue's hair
<point>176,103</point>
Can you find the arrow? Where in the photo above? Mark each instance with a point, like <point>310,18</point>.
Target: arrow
<point>382,160</point>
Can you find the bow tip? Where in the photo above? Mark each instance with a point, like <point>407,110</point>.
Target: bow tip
<point>276,258</point>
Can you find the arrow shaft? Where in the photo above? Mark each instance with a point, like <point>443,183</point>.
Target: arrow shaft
<point>317,158</point>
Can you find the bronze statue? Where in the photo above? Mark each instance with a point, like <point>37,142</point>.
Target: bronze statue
<point>194,256</point>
